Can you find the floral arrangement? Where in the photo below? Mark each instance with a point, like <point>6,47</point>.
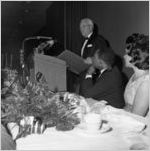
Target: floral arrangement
<point>62,109</point>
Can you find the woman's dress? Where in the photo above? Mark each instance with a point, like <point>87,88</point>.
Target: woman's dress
<point>131,89</point>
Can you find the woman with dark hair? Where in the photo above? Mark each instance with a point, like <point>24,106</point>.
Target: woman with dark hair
<point>137,90</point>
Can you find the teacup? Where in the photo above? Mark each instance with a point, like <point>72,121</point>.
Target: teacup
<point>93,122</point>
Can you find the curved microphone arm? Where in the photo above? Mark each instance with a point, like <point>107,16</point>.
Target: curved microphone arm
<point>35,37</point>
<point>40,48</point>
<point>49,42</point>
<point>22,51</point>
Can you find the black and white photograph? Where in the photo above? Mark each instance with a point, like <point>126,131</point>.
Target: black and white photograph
<point>75,75</point>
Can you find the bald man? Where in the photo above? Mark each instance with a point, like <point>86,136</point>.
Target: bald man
<point>91,39</point>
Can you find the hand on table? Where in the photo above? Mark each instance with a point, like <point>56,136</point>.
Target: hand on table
<point>91,101</point>
<point>96,106</point>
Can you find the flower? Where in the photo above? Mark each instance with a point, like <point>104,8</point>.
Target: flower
<point>62,109</point>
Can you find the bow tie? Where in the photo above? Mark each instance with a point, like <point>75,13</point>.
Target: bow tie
<point>97,72</point>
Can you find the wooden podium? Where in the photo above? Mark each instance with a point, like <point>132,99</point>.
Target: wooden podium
<point>53,69</point>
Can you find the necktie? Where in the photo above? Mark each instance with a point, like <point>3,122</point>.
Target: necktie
<point>96,75</point>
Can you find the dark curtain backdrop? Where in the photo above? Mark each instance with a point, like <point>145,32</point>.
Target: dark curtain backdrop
<point>117,20</point>
<point>74,12</point>
<point>58,19</point>
<point>62,22</point>
<point>54,26</point>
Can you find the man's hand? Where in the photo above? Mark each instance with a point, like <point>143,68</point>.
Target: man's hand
<point>91,70</point>
<point>88,60</point>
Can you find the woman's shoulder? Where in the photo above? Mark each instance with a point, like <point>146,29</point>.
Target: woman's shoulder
<point>144,79</point>
<point>134,85</point>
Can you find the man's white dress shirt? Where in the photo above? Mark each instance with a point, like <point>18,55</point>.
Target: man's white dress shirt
<point>84,44</point>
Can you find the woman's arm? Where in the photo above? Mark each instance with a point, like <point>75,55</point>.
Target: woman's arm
<point>141,100</point>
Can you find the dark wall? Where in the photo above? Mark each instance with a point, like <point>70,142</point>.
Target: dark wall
<point>74,12</point>
<point>21,19</point>
<point>118,19</point>
<point>54,26</point>
<point>115,19</point>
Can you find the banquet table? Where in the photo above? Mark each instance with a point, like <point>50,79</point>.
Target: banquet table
<point>81,139</point>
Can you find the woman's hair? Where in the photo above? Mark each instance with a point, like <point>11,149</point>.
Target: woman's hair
<point>137,46</point>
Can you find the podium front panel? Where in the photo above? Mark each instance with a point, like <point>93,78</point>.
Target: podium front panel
<point>53,69</point>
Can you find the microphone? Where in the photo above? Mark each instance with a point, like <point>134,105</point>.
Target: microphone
<point>43,37</point>
<point>37,37</point>
<point>29,38</point>
<point>51,42</point>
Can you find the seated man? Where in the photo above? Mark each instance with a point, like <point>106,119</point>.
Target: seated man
<point>108,85</point>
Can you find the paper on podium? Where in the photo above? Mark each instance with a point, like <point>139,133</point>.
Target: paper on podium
<point>73,61</point>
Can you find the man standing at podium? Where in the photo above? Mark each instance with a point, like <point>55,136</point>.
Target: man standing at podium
<point>91,39</point>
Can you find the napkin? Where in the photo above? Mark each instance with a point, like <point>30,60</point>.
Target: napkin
<point>121,121</point>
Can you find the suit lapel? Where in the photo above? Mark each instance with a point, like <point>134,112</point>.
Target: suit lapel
<point>101,75</point>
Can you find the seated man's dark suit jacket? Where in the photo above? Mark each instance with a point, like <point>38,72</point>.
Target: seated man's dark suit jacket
<point>107,87</point>
<point>93,41</point>
<point>90,49</point>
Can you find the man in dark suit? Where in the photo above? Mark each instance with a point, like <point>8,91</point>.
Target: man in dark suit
<point>91,39</point>
<point>108,85</point>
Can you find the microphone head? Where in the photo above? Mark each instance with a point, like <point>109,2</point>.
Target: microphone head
<point>43,37</point>
<point>51,42</point>
<point>38,37</point>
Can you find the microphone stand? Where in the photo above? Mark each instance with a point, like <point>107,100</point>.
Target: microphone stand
<point>22,51</point>
<point>23,43</point>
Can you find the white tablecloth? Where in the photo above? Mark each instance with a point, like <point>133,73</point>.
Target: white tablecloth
<point>73,140</point>
<point>81,139</point>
